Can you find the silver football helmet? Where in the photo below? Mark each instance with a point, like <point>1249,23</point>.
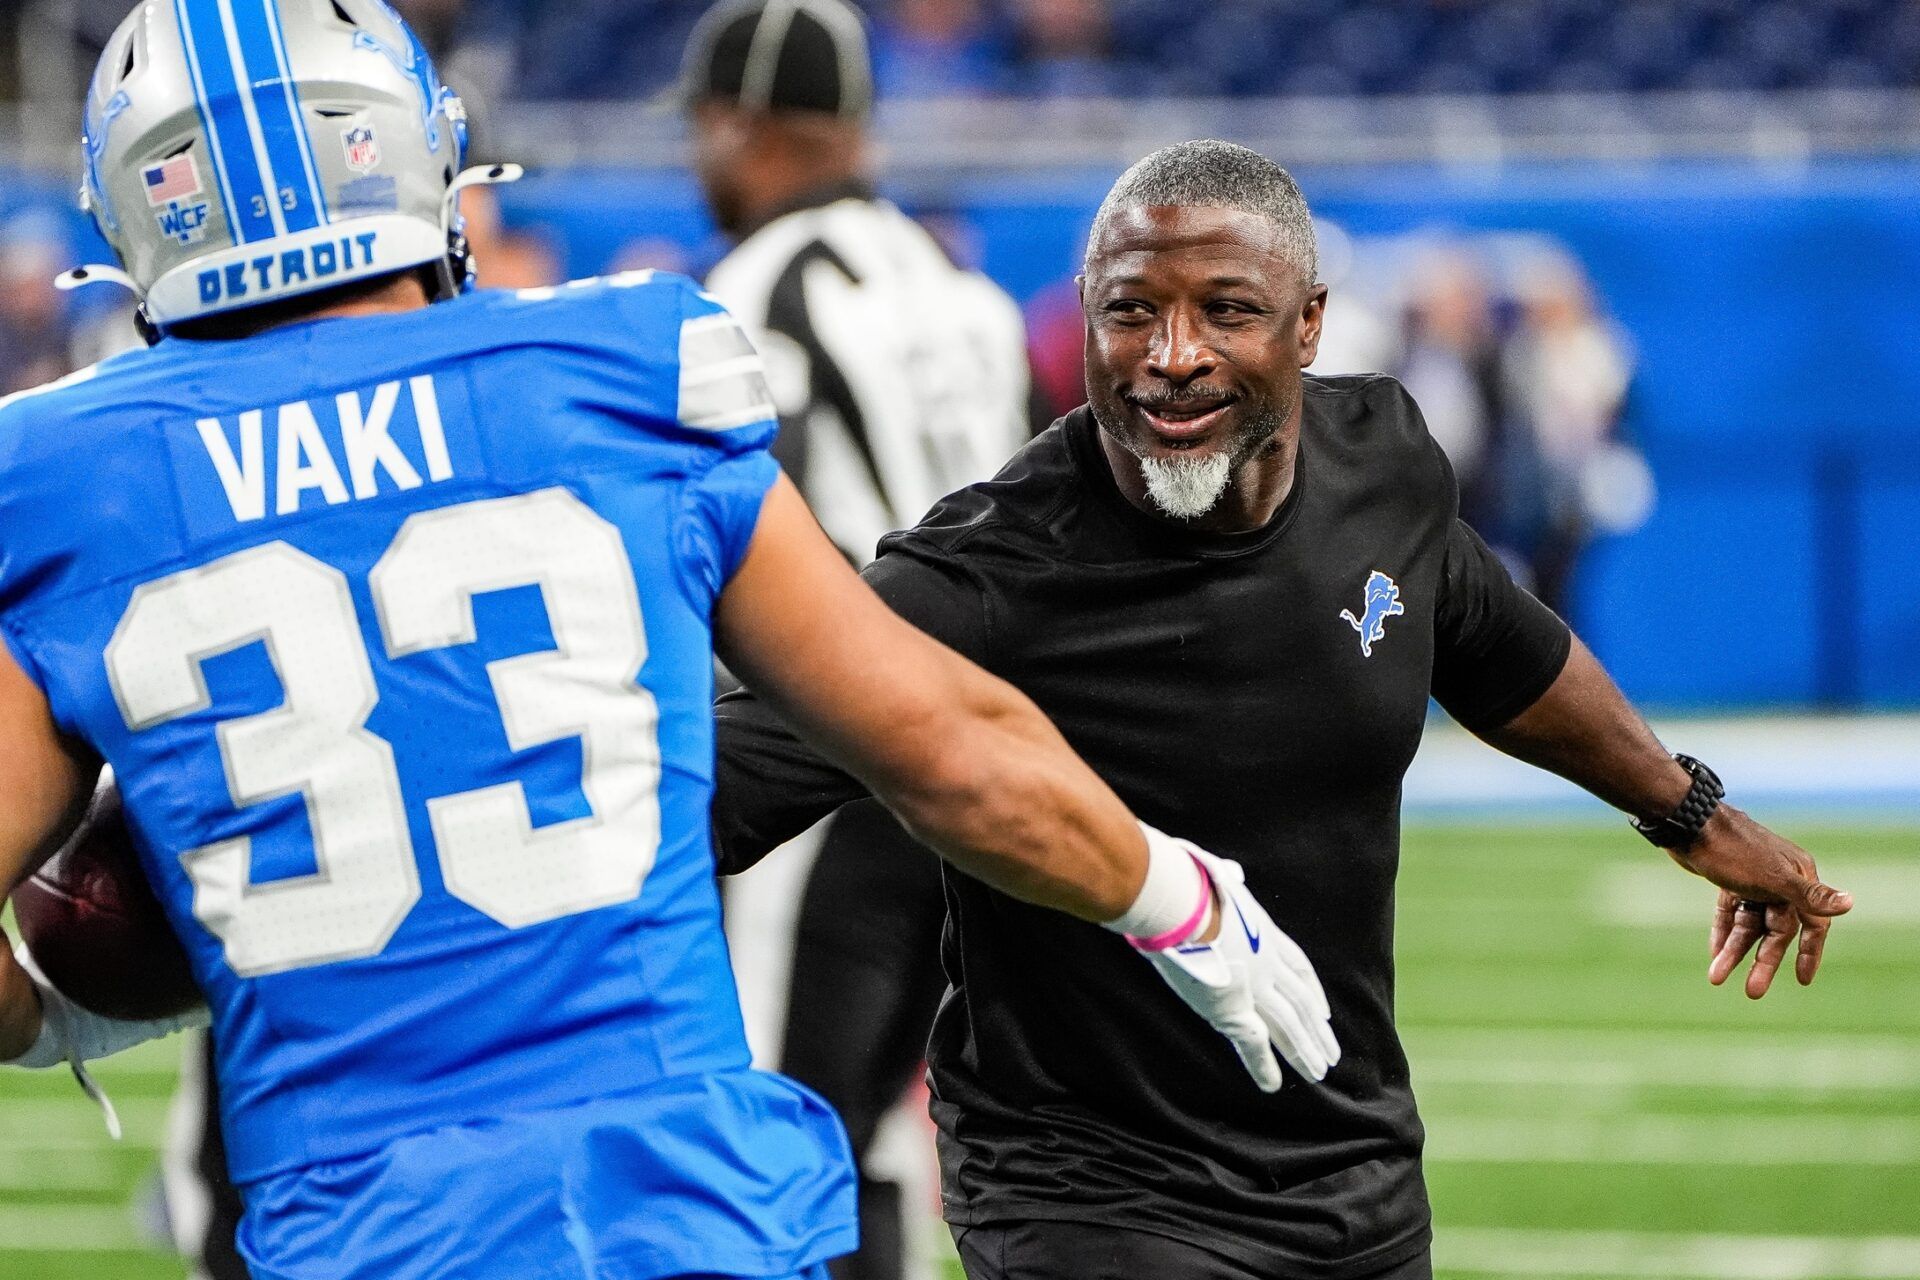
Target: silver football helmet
<point>241,152</point>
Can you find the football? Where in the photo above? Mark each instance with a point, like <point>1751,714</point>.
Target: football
<point>93,923</point>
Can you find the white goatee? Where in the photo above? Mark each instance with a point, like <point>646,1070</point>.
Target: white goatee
<point>1187,487</point>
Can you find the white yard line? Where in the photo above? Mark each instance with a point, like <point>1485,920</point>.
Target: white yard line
<point>67,1228</point>
<point>53,1124</point>
<point>60,1145</point>
<point>1501,1252</point>
<point>1643,894</point>
<point>1731,1139</point>
<point>1860,765</point>
<point>74,1170</point>
<point>1732,1059</point>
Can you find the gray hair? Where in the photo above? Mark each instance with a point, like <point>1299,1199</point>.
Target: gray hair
<point>1208,173</point>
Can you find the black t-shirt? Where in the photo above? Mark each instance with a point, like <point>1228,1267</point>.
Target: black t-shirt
<point>1261,694</point>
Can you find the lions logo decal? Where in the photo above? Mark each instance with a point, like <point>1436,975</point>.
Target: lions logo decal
<point>1382,602</point>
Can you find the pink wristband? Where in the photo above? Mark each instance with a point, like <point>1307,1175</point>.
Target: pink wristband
<point>1187,928</point>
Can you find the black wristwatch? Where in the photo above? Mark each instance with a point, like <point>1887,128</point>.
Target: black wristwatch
<point>1679,829</point>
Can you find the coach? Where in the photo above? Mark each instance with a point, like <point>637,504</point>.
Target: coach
<point>1234,589</point>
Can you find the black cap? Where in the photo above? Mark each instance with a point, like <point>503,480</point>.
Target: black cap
<point>781,55</point>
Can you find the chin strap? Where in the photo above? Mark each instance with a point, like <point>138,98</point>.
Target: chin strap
<point>100,273</point>
<point>456,270</point>
<point>95,273</point>
<point>486,175</point>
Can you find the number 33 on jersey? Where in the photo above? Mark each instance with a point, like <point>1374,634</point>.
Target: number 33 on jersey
<point>396,631</point>
<point>316,741</point>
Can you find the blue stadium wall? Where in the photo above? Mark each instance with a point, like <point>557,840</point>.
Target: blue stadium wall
<point>1778,329</point>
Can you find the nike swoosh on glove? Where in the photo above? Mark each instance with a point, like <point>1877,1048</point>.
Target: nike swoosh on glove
<point>1252,983</point>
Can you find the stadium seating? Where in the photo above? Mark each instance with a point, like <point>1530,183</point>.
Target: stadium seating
<point>615,48</point>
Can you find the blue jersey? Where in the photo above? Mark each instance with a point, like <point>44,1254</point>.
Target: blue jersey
<point>397,632</point>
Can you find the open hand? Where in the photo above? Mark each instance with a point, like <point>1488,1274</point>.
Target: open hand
<point>1770,891</point>
<point>1252,983</point>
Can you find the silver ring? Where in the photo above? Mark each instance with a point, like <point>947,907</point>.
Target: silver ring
<point>1748,904</point>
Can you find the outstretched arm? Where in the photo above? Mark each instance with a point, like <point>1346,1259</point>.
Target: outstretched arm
<point>768,784</point>
<point>1584,729</point>
<point>1510,671</point>
<point>968,763</point>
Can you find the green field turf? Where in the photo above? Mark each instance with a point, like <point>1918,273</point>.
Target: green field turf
<point>1594,1109</point>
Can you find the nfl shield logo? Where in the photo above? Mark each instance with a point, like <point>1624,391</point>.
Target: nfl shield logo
<point>363,149</point>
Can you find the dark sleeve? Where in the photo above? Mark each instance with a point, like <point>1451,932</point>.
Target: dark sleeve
<point>1496,648</point>
<point>768,785</point>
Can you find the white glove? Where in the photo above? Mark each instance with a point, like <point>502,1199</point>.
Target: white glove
<point>1251,982</point>
<point>77,1036</point>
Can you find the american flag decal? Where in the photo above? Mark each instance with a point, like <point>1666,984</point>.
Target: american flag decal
<point>172,180</point>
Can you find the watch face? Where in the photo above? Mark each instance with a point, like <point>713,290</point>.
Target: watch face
<point>1682,827</point>
<point>1702,774</point>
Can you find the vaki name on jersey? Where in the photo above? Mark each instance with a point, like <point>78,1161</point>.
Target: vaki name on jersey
<point>328,451</point>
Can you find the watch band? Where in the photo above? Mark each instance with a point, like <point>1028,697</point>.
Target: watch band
<point>1679,829</point>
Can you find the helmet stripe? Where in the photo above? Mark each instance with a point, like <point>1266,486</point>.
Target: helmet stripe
<point>256,134</point>
<point>278,193</point>
<point>301,132</point>
<point>210,121</point>
<point>269,83</point>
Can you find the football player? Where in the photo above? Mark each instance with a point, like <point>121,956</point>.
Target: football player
<point>395,622</point>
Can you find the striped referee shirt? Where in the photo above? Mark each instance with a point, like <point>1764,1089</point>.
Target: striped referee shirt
<point>899,376</point>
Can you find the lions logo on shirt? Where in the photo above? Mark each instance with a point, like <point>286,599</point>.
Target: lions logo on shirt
<point>1382,602</point>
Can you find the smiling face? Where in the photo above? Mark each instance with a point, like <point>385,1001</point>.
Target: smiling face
<point>1198,324</point>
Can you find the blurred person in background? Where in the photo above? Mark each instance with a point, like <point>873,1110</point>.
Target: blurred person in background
<point>1359,336</point>
<point>1568,371</point>
<point>899,377</point>
<point>1525,385</point>
<point>938,49</point>
<point>1062,49</point>
<point>506,257</point>
<point>35,330</point>
<point>1452,363</point>
<point>653,253</point>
